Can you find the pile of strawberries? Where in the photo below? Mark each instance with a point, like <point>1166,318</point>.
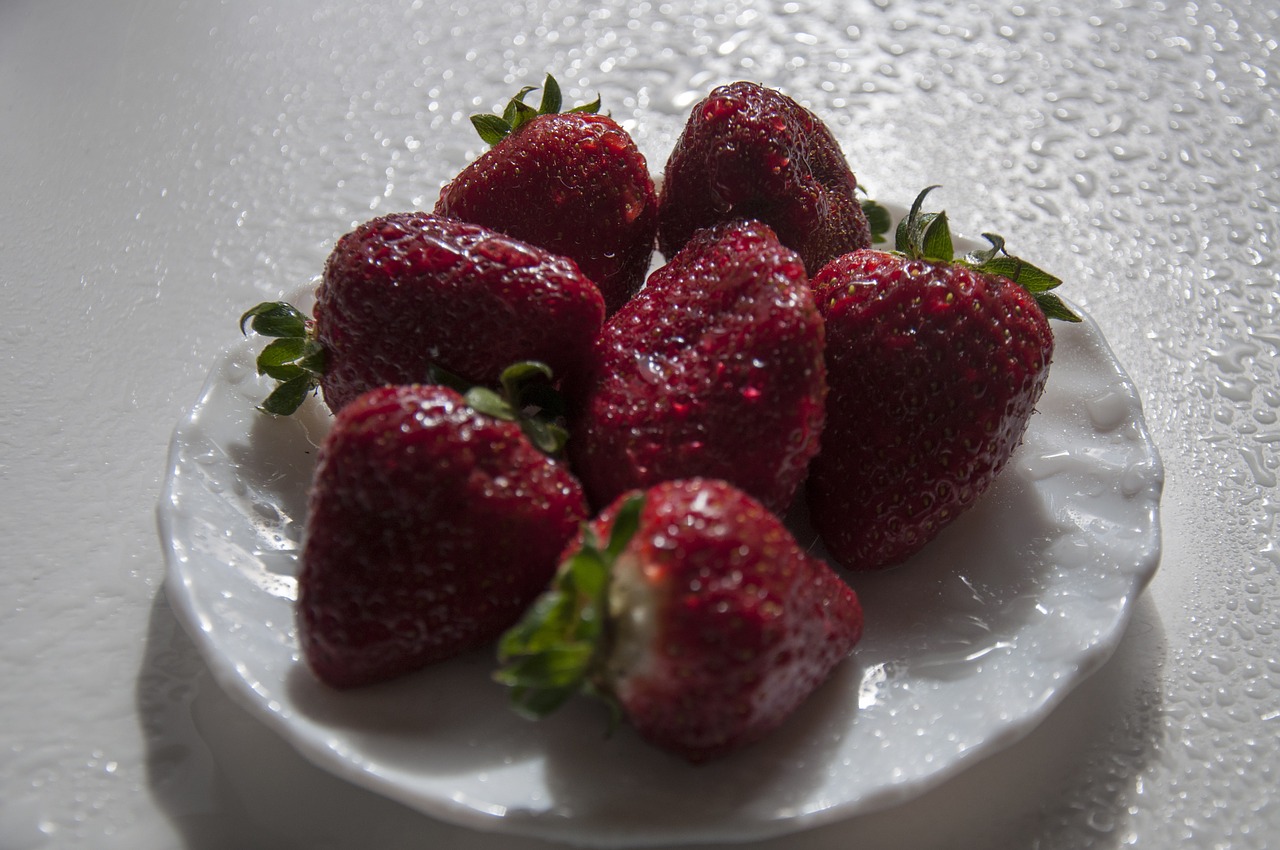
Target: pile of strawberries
<point>539,449</point>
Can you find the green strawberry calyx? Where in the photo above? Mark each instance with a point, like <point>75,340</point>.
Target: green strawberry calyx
<point>296,360</point>
<point>525,395</point>
<point>294,357</point>
<point>495,128</point>
<point>879,219</point>
<point>927,236</point>
<point>560,647</point>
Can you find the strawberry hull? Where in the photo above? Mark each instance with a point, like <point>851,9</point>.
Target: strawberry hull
<point>747,625</point>
<point>691,609</point>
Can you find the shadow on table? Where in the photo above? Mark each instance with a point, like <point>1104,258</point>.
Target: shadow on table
<point>225,780</point>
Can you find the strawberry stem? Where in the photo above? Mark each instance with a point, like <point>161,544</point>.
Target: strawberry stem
<point>561,645</point>
<point>927,236</point>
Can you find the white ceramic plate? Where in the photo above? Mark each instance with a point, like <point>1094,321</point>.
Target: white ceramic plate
<point>967,647</point>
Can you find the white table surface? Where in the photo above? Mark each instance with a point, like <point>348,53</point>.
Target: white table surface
<point>165,165</point>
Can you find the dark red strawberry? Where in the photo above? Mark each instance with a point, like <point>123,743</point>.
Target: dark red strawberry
<point>407,292</point>
<point>693,609</point>
<point>430,528</point>
<point>573,182</point>
<point>935,365</point>
<point>752,152</point>
<point>714,369</point>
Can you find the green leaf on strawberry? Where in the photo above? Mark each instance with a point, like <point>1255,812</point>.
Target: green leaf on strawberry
<point>492,128</point>
<point>517,113</point>
<point>525,396</point>
<point>879,219</point>
<point>275,319</point>
<point>937,237</point>
<point>294,357</point>
<point>557,648</point>
<point>551,97</point>
<point>296,360</point>
<point>927,236</point>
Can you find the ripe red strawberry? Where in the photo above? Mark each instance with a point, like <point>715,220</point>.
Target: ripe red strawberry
<point>430,529</point>
<point>407,292</point>
<point>694,610</point>
<point>574,183</point>
<point>752,152</point>
<point>714,369</point>
<point>935,366</point>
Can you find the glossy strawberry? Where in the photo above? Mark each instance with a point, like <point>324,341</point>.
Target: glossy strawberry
<point>573,182</point>
<point>430,528</point>
<point>935,366</point>
<point>407,292</point>
<point>693,610</point>
<point>752,152</point>
<point>714,369</point>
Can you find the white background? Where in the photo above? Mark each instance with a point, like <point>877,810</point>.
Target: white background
<point>165,165</point>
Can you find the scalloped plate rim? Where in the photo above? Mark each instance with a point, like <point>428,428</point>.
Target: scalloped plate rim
<point>185,599</point>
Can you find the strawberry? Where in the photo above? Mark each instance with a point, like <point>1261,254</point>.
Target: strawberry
<point>430,528</point>
<point>752,152</point>
<point>573,182</point>
<point>714,369</point>
<point>693,610</point>
<point>407,292</point>
<point>935,365</point>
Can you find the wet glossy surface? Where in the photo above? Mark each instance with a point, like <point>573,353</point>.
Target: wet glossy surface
<point>167,166</point>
